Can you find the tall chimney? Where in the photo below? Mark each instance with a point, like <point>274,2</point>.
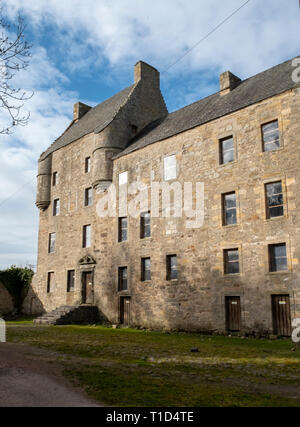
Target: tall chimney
<point>228,82</point>
<point>145,72</point>
<point>80,110</point>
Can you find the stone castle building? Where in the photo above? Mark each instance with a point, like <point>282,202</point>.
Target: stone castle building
<point>238,271</point>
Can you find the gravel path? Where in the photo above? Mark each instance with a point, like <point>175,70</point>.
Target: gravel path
<point>31,377</point>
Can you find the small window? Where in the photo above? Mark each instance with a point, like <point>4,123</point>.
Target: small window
<point>86,236</point>
<point>71,281</point>
<point>134,129</point>
<point>271,138</point>
<point>226,150</point>
<point>278,258</point>
<point>231,261</point>
<point>123,178</point>
<point>52,241</point>
<point>146,269</point>
<point>87,165</point>
<point>88,197</point>
<point>55,179</point>
<point>56,207</point>
<point>274,200</point>
<point>172,273</point>
<point>123,279</point>
<point>50,283</point>
<point>145,225</point>
<point>170,168</point>
<point>229,209</point>
<point>123,229</point>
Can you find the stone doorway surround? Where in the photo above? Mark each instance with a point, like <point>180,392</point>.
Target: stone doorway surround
<point>87,264</point>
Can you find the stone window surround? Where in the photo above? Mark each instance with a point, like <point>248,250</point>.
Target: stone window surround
<point>55,179</point>
<point>56,207</point>
<point>226,135</point>
<point>265,121</point>
<point>124,291</point>
<point>283,180</point>
<point>49,243</point>
<point>142,226</point>
<point>69,291</point>
<point>288,254</point>
<point>222,263</point>
<point>84,236</point>
<point>167,257</point>
<point>119,230</point>
<point>87,164</point>
<point>50,290</point>
<point>85,197</point>
<point>225,191</point>
<point>264,116</point>
<point>143,269</point>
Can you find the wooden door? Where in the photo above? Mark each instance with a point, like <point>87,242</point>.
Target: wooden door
<point>125,311</point>
<point>87,287</point>
<point>233,314</point>
<point>282,315</point>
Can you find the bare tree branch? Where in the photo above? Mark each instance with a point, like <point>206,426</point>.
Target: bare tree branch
<point>14,57</point>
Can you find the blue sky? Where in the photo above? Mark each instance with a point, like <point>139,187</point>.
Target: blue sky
<point>86,51</point>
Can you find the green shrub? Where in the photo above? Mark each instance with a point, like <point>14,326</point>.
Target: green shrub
<point>17,281</point>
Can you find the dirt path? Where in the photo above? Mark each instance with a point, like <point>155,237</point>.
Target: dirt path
<point>32,377</point>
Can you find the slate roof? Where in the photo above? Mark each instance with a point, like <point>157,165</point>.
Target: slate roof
<point>95,120</point>
<point>255,89</point>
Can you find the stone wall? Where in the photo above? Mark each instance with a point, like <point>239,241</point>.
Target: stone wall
<point>6,303</point>
<point>197,300</point>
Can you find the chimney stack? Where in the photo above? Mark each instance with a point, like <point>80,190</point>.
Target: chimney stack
<point>228,82</point>
<point>80,110</point>
<point>146,73</point>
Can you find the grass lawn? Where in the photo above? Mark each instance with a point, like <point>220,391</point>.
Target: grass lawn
<point>126,367</point>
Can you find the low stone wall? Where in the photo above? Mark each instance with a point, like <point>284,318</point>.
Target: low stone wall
<point>6,303</point>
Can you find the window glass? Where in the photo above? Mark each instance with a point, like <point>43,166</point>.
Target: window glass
<point>278,257</point>
<point>145,225</point>
<point>229,209</point>
<point>271,137</point>
<point>146,269</point>
<point>274,200</point>
<point>231,261</point>
<point>87,236</point>
<point>123,229</point>
<point>71,280</point>
<point>123,279</point>
<point>52,240</point>
<point>172,273</point>
<point>226,150</point>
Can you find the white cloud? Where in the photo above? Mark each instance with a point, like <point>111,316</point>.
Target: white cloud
<point>89,34</point>
<point>51,111</point>
<point>123,31</point>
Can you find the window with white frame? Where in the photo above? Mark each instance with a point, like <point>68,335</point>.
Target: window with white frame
<point>170,168</point>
